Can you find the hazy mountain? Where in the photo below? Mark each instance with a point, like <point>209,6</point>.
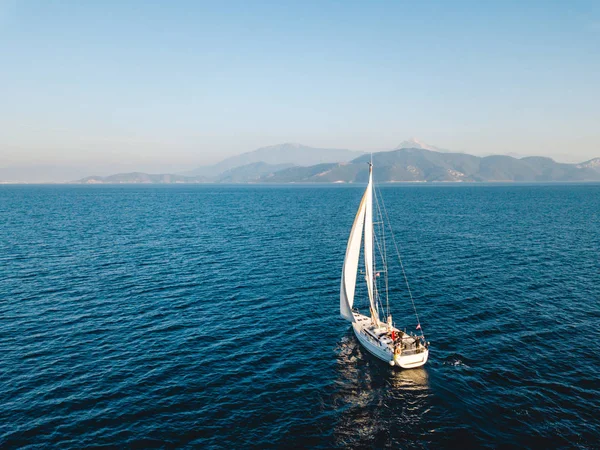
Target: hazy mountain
<point>414,143</point>
<point>40,173</point>
<point>593,164</point>
<point>289,154</point>
<point>65,173</point>
<point>250,172</point>
<point>140,177</point>
<point>412,164</point>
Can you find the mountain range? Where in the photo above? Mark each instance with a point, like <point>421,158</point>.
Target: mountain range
<point>419,165</point>
<point>411,161</point>
<point>276,157</point>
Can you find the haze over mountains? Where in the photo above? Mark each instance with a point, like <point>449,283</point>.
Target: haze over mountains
<point>275,156</point>
<point>142,178</point>
<point>410,161</point>
<point>46,172</point>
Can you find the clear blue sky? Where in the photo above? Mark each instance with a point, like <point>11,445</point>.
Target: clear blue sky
<point>191,82</point>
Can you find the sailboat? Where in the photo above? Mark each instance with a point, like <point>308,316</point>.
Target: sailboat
<point>379,337</point>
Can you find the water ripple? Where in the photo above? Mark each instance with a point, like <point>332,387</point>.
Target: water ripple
<point>203,316</point>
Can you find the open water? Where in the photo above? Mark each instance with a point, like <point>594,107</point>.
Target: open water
<point>207,316</point>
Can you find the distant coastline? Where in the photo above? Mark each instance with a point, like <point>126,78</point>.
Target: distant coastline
<point>405,165</point>
<point>313,184</point>
<point>410,162</point>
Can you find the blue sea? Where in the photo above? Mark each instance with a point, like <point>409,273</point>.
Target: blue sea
<point>208,317</point>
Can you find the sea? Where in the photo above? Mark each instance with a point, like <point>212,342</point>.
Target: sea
<point>207,316</point>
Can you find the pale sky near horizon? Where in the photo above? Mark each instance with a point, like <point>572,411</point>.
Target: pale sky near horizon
<point>189,83</point>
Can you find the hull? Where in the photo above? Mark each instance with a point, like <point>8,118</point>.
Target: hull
<point>377,342</point>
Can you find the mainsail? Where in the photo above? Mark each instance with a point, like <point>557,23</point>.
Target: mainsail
<point>363,219</point>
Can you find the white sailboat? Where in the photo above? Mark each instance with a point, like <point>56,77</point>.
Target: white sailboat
<point>380,338</point>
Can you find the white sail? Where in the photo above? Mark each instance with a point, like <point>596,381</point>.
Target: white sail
<point>350,268</point>
<point>369,276</point>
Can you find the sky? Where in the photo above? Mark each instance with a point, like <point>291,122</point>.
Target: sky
<point>174,85</point>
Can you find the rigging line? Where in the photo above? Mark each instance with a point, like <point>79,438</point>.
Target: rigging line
<point>401,265</point>
<point>383,257</point>
<point>384,254</point>
<point>373,305</point>
<point>379,248</point>
<point>377,297</point>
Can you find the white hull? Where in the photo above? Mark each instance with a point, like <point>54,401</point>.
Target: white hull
<point>377,341</point>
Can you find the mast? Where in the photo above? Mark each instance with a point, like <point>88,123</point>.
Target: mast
<point>368,247</point>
